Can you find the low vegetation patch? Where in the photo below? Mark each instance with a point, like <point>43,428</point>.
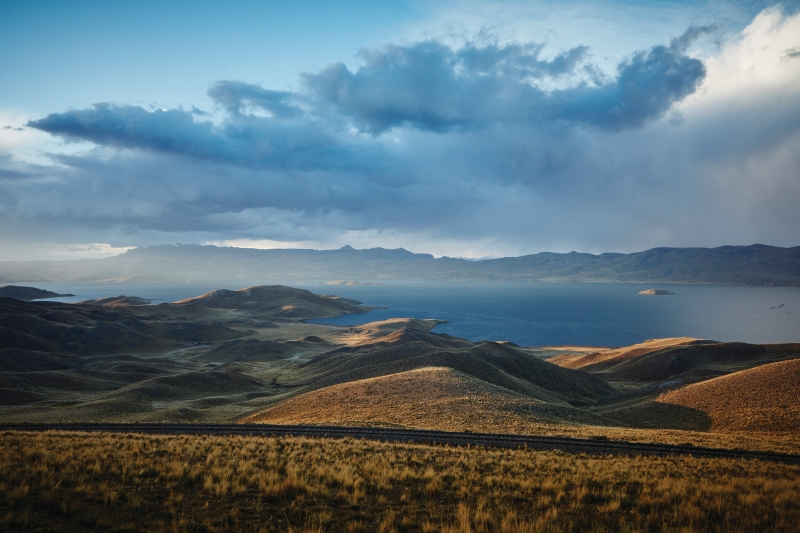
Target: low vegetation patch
<point>75,482</point>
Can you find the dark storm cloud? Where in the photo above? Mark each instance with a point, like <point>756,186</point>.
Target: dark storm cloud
<point>171,130</point>
<point>645,88</point>
<point>243,140</point>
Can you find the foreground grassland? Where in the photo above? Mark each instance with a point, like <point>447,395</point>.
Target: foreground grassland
<point>74,482</point>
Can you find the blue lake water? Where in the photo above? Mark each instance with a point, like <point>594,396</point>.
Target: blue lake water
<point>538,314</point>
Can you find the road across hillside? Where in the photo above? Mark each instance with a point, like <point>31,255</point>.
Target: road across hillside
<point>566,444</point>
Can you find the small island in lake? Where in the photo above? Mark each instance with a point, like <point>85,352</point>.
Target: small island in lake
<point>656,292</point>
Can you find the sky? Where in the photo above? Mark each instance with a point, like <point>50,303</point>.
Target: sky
<point>460,128</point>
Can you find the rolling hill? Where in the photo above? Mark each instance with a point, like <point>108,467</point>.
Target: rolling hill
<point>492,362</point>
<point>121,359</point>
<point>760,400</point>
<point>277,301</point>
<point>249,355</point>
<point>643,373</point>
<point>678,360</point>
<point>90,329</point>
<point>429,397</point>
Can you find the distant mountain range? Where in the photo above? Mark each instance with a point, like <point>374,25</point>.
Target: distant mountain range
<point>733,265</point>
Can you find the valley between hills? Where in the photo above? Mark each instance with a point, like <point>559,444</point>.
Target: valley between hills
<point>250,356</point>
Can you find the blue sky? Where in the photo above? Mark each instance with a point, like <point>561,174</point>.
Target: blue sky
<point>458,128</point>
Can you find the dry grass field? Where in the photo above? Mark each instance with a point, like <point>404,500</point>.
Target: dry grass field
<point>79,482</point>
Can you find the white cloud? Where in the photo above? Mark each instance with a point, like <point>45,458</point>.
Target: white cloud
<point>31,145</point>
<point>31,251</point>
<point>260,244</point>
<point>754,68</point>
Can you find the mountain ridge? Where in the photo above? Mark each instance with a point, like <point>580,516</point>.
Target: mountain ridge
<point>755,264</point>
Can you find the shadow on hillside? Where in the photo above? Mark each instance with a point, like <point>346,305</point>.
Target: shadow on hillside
<point>657,415</point>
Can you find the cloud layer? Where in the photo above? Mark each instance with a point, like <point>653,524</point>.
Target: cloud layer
<point>427,86</point>
<point>430,86</point>
<point>493,148</point>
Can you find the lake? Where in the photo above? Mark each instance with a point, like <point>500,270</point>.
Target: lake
<point>537,314</point>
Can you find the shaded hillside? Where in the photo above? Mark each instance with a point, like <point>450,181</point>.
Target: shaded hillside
<point>187,386</point>
<point>677,360</point>
<point>498,364</point>
<point>606,358</point>
<point>433,398</point>
<point>278,301</point>
<point>117,301</point>
<point>644,372</point>
<point>121,324</point>
<point>95,376</point>
<point>254,350</point>
<point>120,359</point>
<point>245,350</point>
<point>74,355</point>
<point>18,360</point>
<point>86,329</point>
<point>26,294</point>
<point>738,265</point>
<point>761,399</point>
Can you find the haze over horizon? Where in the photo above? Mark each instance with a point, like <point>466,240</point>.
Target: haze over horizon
<point>466,129</point>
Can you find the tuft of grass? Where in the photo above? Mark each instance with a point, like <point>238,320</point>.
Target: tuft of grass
<point>75,482</point>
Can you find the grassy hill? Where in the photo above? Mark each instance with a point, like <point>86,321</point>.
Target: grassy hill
<point>249,354</point>
<point>428,397</point>
<point>759,400</point>
<point>277,301</point>
<point>494,363</point>
<point>644,372</point>
<point>680,360</point>
<point>120,359</point>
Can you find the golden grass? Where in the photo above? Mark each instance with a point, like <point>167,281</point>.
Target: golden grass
<point>75,482</point>
<point>447,400</point>
<point>432,397</point>
<point>381,331</point>
<point>618,355</point>
<point>758,400</point>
